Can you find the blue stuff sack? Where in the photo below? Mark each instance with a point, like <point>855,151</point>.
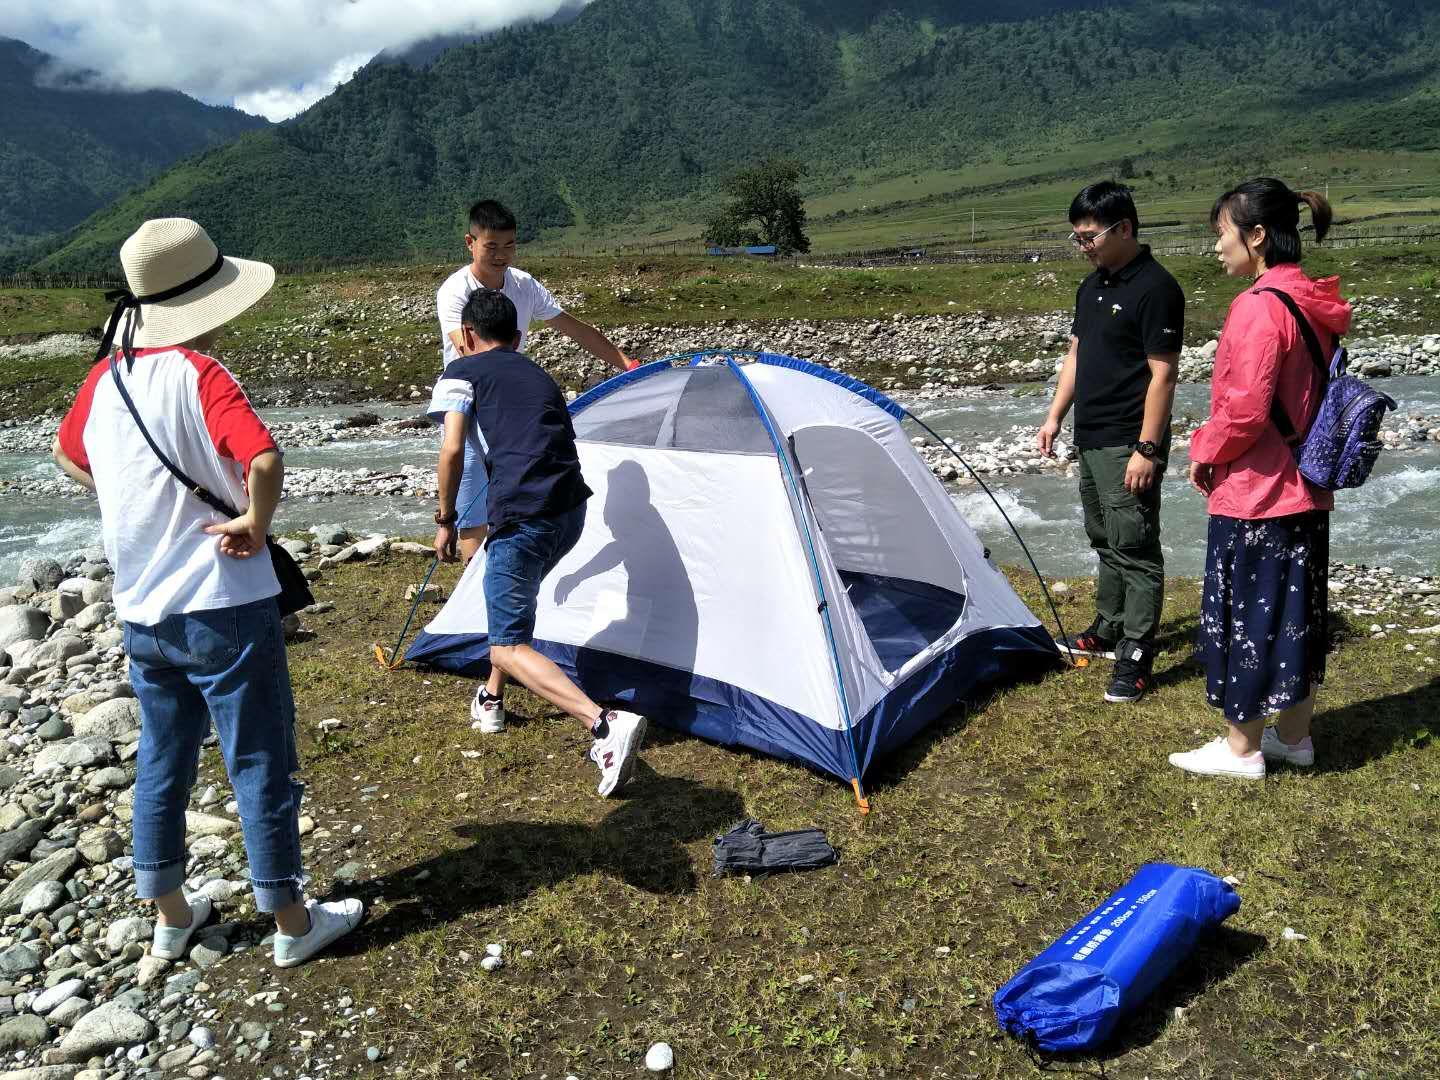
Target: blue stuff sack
<point>1070,997</point>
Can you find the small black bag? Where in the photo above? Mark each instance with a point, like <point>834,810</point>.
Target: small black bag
<point>295,591</point>
<point>749,849</point>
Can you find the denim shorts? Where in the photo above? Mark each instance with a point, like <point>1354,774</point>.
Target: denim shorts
<point>470,500</point>
<point>517,558</point>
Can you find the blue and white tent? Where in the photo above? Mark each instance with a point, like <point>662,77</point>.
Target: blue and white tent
<point>766,562</point>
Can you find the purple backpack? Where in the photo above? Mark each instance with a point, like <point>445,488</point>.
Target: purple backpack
<point>1339,448</point>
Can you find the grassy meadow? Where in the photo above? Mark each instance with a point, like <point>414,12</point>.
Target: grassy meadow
<point>989,836</point>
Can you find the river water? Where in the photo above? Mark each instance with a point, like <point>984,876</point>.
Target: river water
<point>1394,520</point>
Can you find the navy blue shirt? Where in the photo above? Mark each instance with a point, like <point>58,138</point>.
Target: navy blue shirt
<point>521,422</point>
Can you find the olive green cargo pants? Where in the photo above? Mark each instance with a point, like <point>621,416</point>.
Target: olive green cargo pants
<point>1124,530</point>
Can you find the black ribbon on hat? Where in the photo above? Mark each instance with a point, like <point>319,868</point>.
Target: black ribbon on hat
<point>125,302</point>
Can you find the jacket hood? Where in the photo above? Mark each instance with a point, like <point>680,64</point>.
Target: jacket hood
<point>1319,298</point>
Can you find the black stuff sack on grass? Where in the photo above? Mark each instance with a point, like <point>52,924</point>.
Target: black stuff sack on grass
<point>749,849</point>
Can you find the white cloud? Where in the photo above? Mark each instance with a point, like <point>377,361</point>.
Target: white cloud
<point>272,57</point>
<point>281,103</point>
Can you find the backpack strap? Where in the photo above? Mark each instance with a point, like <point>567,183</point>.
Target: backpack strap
<point>205,496</point>
<point>1278,416</point>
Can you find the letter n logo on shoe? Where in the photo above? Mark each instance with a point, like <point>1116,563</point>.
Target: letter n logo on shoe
<point>609,759</point>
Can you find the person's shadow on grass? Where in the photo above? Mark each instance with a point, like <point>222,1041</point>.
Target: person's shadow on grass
<point>639,842</point>
<point>1363,731</point>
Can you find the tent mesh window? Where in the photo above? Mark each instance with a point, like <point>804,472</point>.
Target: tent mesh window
<point>699,408</point>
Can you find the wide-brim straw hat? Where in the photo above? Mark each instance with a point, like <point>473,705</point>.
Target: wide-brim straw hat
<point>166,253</point>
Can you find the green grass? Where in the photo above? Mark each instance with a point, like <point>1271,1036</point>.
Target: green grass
<point>990,835</point>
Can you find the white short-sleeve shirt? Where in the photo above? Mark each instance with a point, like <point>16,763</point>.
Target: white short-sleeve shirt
<point>531,299</point>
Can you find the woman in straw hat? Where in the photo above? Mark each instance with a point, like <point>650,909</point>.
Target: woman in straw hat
<point>196,588</point>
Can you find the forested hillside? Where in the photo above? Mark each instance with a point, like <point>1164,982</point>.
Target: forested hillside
<point>66,152</point>
<point>640,101</point>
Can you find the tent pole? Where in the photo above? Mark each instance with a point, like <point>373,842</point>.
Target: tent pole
<point>1074,660</point>
<point>823,606</point>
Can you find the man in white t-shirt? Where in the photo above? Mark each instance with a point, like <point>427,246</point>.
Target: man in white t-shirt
<point>490,239</point>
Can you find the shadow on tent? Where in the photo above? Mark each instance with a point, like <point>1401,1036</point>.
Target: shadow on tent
<point>640,842</point>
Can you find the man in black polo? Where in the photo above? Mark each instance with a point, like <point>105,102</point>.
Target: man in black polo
<point>1120,376</point>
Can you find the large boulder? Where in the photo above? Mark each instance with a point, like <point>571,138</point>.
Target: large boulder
<point>97,592</point>
<point>21,623</point>
<point>66,605</point>
<point>94,615</point>
<point>114,720</point>
<point>40,572</point>
<point>56,867</point>
<point>56,651</point>
<point>84,753</point>
<point>101,1031</point>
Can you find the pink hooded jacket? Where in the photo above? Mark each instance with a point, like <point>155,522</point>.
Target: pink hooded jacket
<point>1262,354</point>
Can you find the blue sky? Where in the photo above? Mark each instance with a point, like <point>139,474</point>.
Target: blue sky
<point>269,57</point>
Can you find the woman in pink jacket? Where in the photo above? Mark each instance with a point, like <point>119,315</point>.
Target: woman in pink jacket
<point>1263,631</point>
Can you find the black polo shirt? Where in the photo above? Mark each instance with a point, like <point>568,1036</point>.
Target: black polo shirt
<point>1122,319</point>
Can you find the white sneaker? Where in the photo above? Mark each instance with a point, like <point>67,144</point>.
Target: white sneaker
<point>615,755</point>
<point>488,715</point>
<point>1216,758</point>
<point>1301,755</point>
<point>170,942</point>
<point>329,922</point>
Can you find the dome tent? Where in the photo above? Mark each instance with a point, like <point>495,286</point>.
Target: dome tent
<point>766,562</point>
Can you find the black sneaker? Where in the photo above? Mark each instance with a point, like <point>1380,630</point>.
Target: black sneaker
<point>1089,643</point>
<point>1133,661</point>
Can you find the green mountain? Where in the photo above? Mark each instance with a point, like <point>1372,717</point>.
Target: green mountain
<point>639,103</point>
<point>67,151</point>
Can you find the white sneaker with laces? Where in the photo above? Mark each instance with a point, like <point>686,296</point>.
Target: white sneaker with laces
<point>488,715</point>
<point>1216,758</point>
<point>615,754</point>
<point>329,922</point>
<point>1301,755</point>
<point>170,942</point>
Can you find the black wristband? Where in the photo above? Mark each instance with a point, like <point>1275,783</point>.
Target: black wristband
<point>446,519</point>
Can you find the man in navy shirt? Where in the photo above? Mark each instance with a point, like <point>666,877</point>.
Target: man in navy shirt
<point>535,510</point>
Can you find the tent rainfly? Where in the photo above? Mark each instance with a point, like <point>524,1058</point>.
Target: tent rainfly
<point>766,562</point>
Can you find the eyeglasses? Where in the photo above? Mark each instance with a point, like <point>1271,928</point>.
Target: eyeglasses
<point>1089,241</point>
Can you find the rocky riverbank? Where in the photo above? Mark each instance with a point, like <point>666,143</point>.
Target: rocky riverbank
<point>390,351</point>
<point>80,997</point>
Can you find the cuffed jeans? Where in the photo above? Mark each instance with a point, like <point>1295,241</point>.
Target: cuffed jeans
<point>1124,530</point>
<point>225,666</point>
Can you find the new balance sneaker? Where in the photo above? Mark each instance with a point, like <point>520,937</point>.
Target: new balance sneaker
<point>170,942</point>
<point>615,752</point>
<point>1133,663</point>
<point>488,713</point>
<point>329,922</point>
<point>1301,755</point>
<point>1216,758</point>
<point>1089,643</point>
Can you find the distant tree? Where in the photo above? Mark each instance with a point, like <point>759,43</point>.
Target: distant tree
<point>1127,168</point>
<point>765,207</point>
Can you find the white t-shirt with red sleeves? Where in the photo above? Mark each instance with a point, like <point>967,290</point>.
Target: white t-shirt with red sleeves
<point>153,529</point>
<point>533,303</point>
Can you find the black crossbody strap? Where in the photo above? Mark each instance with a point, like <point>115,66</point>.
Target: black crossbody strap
<point>204,495</point>
<point>1278,416</point>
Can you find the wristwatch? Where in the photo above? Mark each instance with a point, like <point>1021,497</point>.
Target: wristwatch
<point>1146,449</point>
<point>446,519</point>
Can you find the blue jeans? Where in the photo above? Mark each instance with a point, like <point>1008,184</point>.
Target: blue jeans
<point>226,666</point>
<point>517,558</point>
<point>470,501</point>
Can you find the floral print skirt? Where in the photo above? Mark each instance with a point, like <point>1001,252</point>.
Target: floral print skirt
<point>1263,612</point>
